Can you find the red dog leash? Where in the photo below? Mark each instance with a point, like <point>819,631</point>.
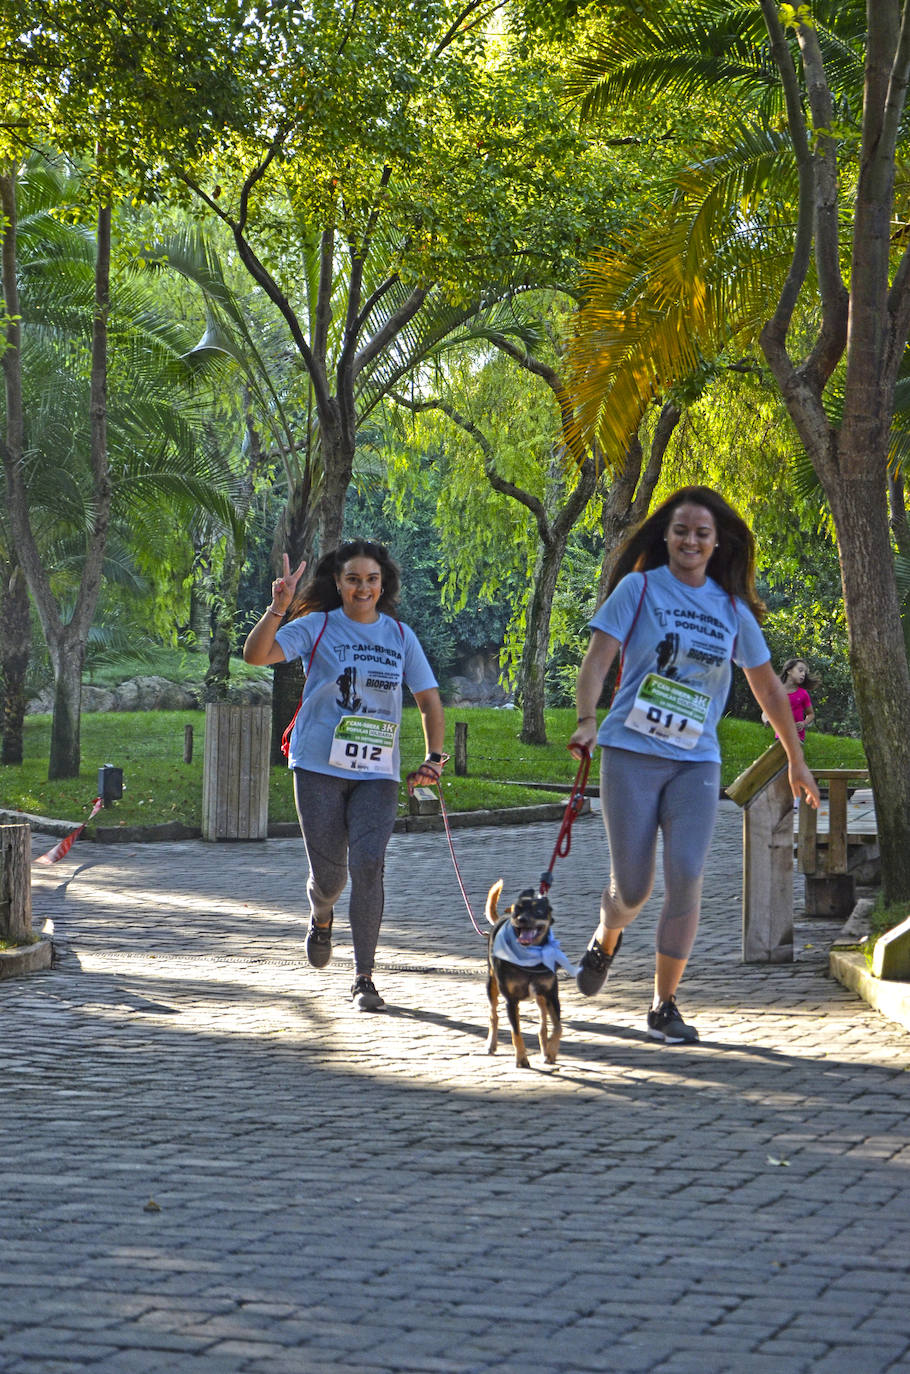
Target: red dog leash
<point>563,840</point>
<point>484,935</point>
<point>573,808</point>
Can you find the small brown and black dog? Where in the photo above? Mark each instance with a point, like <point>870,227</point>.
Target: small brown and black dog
<point>530,919</point>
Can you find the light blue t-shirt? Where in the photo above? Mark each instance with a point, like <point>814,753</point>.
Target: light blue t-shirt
<point>685,635</point>
<point>356,671</point>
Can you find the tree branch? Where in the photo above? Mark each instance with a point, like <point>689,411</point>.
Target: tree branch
<point>392,327</point>
<point>459,25</point>
<point>323,313</point>
<point>93,563</point>
<point>832,336</point>
<point>542,370</point>
<point>261,275</point>
<point>779,324</point>
<point>498,483</point>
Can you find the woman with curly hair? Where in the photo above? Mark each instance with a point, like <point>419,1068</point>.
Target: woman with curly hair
<point>681,607</point>
<point>344,746</point>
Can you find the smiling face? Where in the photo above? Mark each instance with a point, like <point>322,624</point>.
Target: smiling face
<point>360,586</point>
<point>691,540</point>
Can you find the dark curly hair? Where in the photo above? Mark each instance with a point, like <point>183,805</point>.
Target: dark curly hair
<point>732,563</point>
<point>321,593</point>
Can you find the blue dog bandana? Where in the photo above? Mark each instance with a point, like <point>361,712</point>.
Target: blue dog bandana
<point>506,946</point>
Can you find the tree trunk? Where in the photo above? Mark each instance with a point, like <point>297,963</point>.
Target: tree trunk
<point>532,674</point>
<point>218,674</point>
<point>200,603</point>
<point>878,661</point>
<point>287,685</point>
<point>15,647</point>
<point>338,468</point>
<point>67,658</point>
<point>628,497</point>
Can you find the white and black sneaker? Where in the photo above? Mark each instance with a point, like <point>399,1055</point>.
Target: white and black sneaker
<point>665,1023</point>
<point>364,994</point>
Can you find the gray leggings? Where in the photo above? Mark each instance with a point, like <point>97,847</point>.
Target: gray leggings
<point>346,824</point>
<point>644,794</point>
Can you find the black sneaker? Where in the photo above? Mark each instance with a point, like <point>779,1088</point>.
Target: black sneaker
<point>364,995</point>
<point>665,1023</point>
<point>319,943</point>
<point>595,965</point>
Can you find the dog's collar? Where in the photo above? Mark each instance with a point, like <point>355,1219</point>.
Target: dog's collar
<point>550,954</point>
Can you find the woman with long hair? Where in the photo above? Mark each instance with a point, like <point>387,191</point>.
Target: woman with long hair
<point>681,607</point>
<point>344,746</point>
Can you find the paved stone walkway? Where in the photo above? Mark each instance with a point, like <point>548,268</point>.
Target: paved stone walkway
<point>343,1192</point>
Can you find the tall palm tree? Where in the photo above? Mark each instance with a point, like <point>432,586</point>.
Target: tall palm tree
<point>80,456</point>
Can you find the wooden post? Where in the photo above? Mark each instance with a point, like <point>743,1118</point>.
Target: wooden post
<point>235,772</point>
<point>187,744</point>
<point>15,884</point>
<point>763,791</point>
<point>461,749</point>
<point>768,874</point>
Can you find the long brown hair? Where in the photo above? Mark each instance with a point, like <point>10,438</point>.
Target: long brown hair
<point>810,683</point>
<point>732,564</point>
<point>321,592</point>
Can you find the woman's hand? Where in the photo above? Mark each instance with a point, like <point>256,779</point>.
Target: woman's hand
<point>584,738</point>
<point>284,587</point>
<point>802,783</point>
<point>427,775</point>
<point>261,647</point>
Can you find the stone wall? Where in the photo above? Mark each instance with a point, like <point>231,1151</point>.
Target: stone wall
<point>152,694</point>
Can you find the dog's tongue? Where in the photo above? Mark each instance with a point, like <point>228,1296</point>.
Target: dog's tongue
<point>527,937</point>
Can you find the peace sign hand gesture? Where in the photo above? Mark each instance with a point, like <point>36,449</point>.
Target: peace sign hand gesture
<point>284,587</point>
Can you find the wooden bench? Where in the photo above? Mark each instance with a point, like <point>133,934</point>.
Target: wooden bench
<point>828,859</point>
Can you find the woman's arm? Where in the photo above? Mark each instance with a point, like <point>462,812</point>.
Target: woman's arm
<point>433,720</point>
<point>595,665</point>
<point>771,696</point>
<point>260,647</point>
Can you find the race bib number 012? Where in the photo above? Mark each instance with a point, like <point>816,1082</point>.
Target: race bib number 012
<point>364,744</point>
<point>669,711</point>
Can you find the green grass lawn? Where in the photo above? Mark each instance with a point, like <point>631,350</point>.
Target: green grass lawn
<point>159,786</point>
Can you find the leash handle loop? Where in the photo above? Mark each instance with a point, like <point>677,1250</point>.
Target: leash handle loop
<point>573,807</point>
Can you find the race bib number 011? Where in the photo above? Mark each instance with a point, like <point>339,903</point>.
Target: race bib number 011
<point>364,744</point>
<point>669,711</point>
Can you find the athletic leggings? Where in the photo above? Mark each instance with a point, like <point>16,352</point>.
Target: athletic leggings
<point>643,794</point>
<point>346,824</point>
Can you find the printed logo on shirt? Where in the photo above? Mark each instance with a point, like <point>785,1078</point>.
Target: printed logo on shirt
<point>696,638</point>
<point>347,687</point>
<point>368,653</point>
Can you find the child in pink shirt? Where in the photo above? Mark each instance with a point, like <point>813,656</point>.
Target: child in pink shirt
<point>797,680</point>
